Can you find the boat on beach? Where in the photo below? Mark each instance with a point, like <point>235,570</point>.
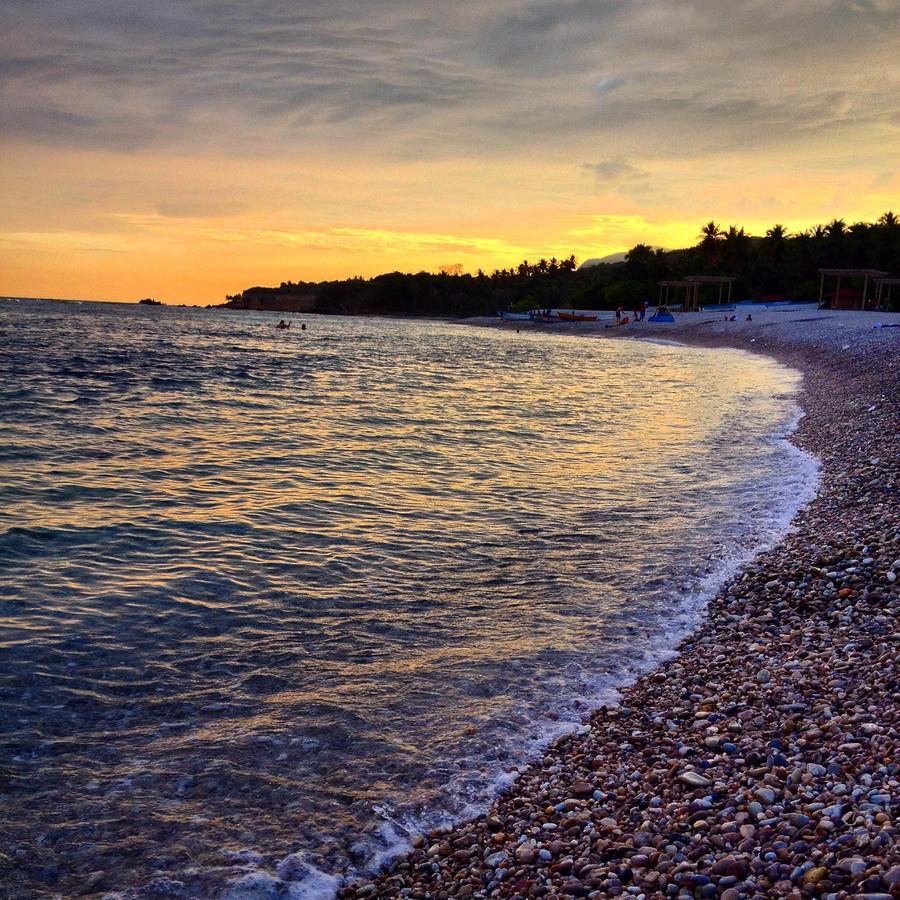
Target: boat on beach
<point>516,317</point>
<point>576,317</point>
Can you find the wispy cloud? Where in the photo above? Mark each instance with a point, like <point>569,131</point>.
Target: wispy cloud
<point>609,84</point>
<point>340,237</point>
<point>616,170</point>
<point>283,76</point>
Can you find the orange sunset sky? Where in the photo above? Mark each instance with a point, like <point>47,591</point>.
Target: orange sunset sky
<point>185,150</point>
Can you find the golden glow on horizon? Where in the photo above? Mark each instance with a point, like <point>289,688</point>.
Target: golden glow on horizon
<point>116,247</point>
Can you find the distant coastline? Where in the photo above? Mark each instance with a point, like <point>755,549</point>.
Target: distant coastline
<point>774,266</point>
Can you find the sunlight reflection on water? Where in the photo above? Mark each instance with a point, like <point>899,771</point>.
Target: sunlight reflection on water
<point>257,585</point>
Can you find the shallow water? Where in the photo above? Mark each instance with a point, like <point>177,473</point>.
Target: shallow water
<point>270,592</point>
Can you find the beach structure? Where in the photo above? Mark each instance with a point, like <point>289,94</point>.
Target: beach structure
<point>882,297</point>
<point>691,285</point>
<point>848,299</point>
<point>668,293</point>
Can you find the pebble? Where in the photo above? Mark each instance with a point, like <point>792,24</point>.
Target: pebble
<point>694,780</point>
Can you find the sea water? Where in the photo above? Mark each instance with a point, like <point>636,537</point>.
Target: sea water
<point>311,592</point>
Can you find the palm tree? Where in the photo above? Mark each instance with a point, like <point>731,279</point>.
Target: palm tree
<point>887,241</point>
<point>736,244</point>
<point>775,242</point>
<point>639,262</point>
<point>835,229</point>
<point>710,232</point>
<point>835,232</point>
<point>860,245</point>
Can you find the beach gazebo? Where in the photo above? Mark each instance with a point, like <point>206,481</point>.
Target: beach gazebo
<point>848,274</point>
<point>699,280</point>
<point>691,285</point>
<point>880,285</point>
<point>674,286</point>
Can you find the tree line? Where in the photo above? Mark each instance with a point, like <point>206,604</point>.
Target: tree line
<point>775,264</point>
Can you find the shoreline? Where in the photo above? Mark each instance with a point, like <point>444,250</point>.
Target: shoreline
<point>761,760</point>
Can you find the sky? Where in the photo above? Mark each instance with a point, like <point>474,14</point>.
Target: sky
<point>184,150</point>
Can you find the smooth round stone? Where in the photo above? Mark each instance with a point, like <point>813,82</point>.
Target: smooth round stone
<point>814,876</point>
<point>526,855</point>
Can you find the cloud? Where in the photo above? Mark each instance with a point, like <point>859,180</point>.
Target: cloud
<point>277,123</point>
<point>186,206</point>
<point>617,171</point>
<point>883,181</point>
<point>608,84</point>
<point>277,77</point>
<point>338,237</point>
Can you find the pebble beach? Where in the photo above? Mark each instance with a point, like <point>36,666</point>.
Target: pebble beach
<point>762,759</point>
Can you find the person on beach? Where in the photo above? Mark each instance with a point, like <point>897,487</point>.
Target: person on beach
<point>643,310</point>
<point>619,312</point>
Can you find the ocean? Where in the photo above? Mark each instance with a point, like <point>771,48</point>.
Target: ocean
<point>302,595</point>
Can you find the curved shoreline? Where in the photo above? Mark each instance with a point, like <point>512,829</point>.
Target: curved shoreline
<point>761,760</point>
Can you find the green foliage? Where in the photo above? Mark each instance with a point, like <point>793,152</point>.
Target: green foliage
<point>777,263</point>
<point>629,294</point>
<point>805,290</point>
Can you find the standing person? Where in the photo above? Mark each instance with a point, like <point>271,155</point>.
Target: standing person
<point>619,315</point>
<point>643,310</point>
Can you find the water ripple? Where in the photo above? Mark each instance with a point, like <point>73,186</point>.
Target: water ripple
<point>265,592</point>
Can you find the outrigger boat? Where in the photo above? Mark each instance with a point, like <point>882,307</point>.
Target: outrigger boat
<point>576,317</point>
